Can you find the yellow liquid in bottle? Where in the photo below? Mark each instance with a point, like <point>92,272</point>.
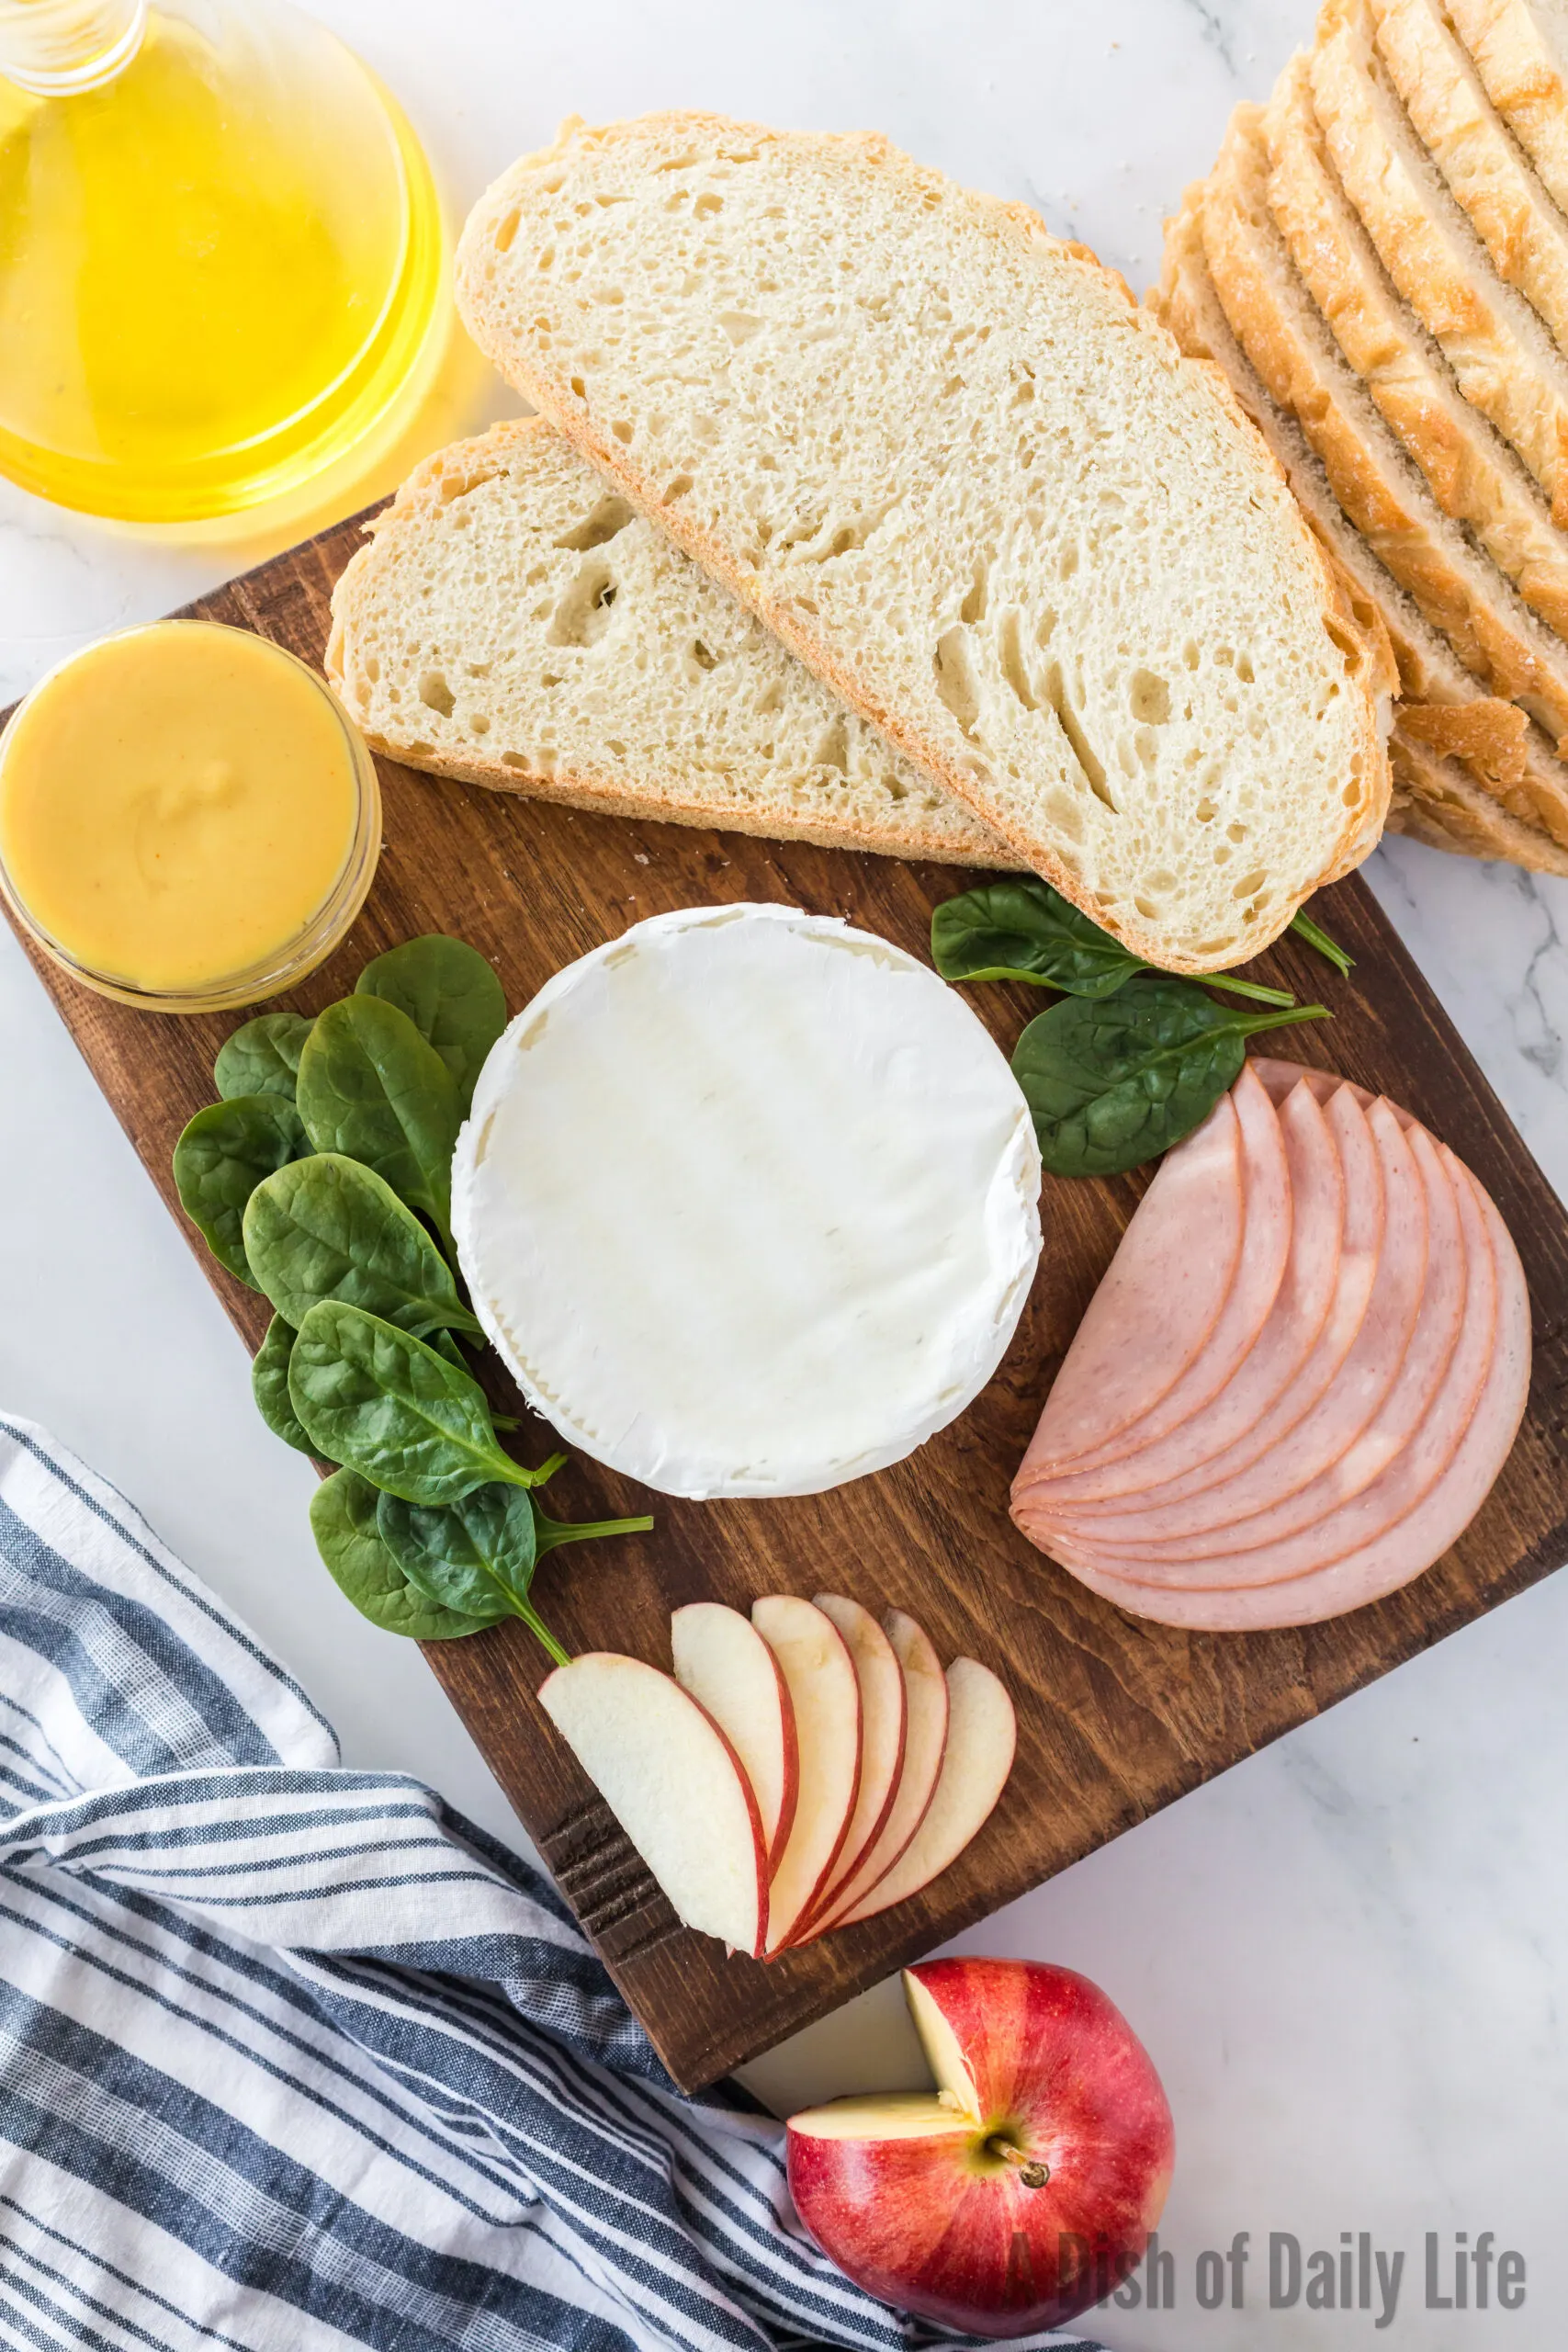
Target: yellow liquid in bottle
<point>217,270</point>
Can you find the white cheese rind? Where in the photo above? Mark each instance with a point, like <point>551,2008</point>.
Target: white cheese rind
<point>747,1202</point>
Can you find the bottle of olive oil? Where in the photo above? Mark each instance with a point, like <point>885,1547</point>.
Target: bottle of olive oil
<point>220,254</point>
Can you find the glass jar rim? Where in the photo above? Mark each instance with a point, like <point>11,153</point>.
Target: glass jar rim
<point>316,938</point>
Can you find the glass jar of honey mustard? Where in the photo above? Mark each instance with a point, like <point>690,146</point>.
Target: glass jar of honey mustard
<point>188,821</point>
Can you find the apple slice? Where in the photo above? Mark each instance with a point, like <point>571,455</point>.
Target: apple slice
<point>727,1667</point>
<point>925,1737</point>
<point>675,1785</point>
<point>883,1716</point>
<point>820,1676</point>
<point>982,1733</point>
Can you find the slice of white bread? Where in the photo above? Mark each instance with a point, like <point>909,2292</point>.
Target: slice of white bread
<point>1503,358</point>
<point>513,622</point>
<point>1456,121</point>
<point>1459,590</point>
<point>976,490</point>
<point>1446,715</point>
<point>1474,476</point>
<point>1520,49</point>
<point>445,675</point>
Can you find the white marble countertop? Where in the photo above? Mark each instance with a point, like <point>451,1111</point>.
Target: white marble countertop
<point>1347,1956</point>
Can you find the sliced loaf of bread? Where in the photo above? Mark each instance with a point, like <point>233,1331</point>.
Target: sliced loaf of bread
<point>980,494</point>
<point>1520,49</point>
<point>1474,476</point>
<point>1502,355</point>
<point>1521,228</point>
<point>1459,589</point>
<point>513,622</point>
<point>1446,716</point>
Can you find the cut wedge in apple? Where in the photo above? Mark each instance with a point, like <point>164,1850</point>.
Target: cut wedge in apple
<point>925,1737</point>
<point>820,1676</point>
<point>675,1785</point>
<point>883,1716</point>
<point>982,1733</point>
<point>724,1665</point>
<point>1025,2186</point>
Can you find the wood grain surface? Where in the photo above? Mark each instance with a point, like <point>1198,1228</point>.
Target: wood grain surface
<point>1117,1718</point>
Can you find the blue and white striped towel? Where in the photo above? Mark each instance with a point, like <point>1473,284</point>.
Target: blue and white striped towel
<point>294,2057</point>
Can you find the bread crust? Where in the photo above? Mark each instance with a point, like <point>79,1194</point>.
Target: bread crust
<point>1019,228</point>
<point>1473,475</point>
<point>1409,815</point>
<point>1488,735</point>
<point>1446,713</point>
<point>1386,507</point>
<point>413,515</point>
<point>1521,78</point>
<point>1464,816</point>
<point>1503,363</point>
<point>1526,237</point>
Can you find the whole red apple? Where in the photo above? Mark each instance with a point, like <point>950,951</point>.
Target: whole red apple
<point>1026,2187</point>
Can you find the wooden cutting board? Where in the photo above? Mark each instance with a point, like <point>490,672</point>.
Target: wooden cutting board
<point>1117,1718</point>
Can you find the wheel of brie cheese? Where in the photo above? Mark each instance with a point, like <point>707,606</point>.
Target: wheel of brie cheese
<point>747,1202</point>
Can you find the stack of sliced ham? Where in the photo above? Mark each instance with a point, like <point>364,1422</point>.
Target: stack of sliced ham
<point>1301,1375</point>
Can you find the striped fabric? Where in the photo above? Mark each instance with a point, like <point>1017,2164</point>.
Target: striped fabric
<point>294,2057</point>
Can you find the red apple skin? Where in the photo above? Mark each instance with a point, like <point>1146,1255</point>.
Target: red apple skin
<point>942,2228</point>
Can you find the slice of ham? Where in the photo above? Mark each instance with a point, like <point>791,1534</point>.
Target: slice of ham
<point>1316,1185</point>
<point>1361,1381</point>
<point>1442,1289</point>
<point>1280,1077</point>
<point>1168,1283</point>
<point>1361,1255</point>
<point>1267,1218</point>
<point>1412,1542</point>
<point>1463,1324</point>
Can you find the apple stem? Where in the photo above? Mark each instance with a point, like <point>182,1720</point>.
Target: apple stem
<point>1030,2169</point>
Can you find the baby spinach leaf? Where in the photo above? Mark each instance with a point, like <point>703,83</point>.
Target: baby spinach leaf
<point>473,1554</point>
<point>380,1402</point>
<point>262,1056</point>
<point>328,1227</point>
<point>450,994</point>
<point>269,1385</point>
<point>477,1553</point>
<point>1304,928</point>
<point>342,1520</point>
<point>225,1152</point>
<point>445,1345</point>
<point>484,1545</point>
<point>370,1088</point>
<point>1024,930</point>
<point>1112,1084</point>
<point>493,1537</point>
